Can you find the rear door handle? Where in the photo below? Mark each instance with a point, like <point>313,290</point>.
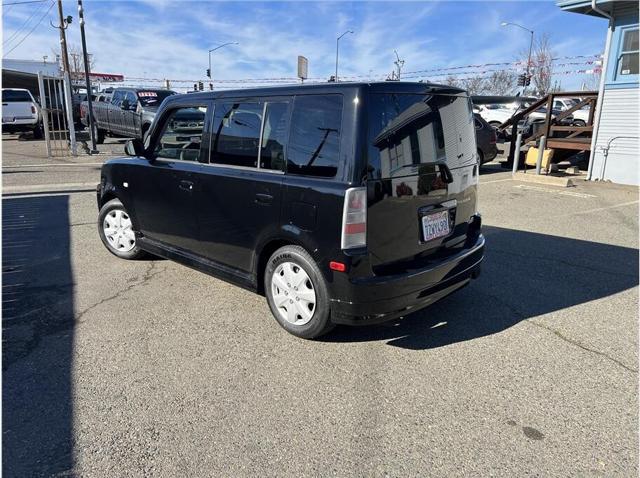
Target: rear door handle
<point>264,198</point>
<point>186,185</point>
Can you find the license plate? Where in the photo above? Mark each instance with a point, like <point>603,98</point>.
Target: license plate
<point>435,225</point>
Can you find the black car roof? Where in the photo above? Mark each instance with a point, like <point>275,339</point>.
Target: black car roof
<point>377,87</point>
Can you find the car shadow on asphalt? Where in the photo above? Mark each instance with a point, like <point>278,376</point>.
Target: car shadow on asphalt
<point>524,275</point>
<point>38,335</point>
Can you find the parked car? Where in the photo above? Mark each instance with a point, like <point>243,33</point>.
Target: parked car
<point>486,139</point>
<point>76,100</point>
<point>128,113</point>
<point>343,203</point>
<point>580,116</point>
<point>20,112</point>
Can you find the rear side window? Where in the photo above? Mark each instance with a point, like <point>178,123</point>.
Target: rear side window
<point>274,136</point>
<point>13,96</point>
<point>237,134</point>
<point>314,141</point>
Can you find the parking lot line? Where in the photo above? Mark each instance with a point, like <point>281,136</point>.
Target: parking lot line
<point>599,209</point>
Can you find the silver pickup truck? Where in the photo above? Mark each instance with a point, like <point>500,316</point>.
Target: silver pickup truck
<point>125,112</point>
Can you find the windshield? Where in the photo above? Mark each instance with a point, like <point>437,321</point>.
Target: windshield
<point>15,96</point>
<point>153,97</point>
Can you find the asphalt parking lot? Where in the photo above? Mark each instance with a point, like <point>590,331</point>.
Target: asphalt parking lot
<point>148,368</point>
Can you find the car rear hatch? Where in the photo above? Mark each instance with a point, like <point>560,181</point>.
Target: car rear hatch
<point>422,178</point>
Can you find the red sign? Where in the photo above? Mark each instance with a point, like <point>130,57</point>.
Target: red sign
<point>102,77</point>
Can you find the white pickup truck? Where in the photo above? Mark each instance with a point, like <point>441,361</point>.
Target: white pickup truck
<point>20,112</point>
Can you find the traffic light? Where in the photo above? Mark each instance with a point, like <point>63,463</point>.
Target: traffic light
<point>522,79</point>
<point>208,72</point>
<point>200,86</point>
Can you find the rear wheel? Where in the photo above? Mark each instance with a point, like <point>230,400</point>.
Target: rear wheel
<point>579,123</point>
<point>297,293</point>
<point>116,231</point>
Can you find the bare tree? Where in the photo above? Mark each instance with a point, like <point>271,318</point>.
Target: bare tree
<point>475,85</point>
<point>591,82</point>
<point>452,81</point>
<point>76,61</point>
<point>501,83</point>
<point>541,67</point>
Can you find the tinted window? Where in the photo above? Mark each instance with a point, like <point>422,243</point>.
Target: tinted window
<point>13,96</point>
<point>117,98</point>
<point>274,136</point>
<point>404,131</point>
<point>237,134</point>
<point>131,98</point>
<point>315,135</point>
<point>182,135</point>
<point>153,97</point>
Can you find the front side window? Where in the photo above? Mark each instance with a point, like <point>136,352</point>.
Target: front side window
<point>237,134</point>
<point>314,140</point>
<point>628,59</point>
<point>182,134</point>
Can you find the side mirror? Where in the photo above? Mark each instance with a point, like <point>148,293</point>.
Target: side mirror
<point>134,147</point>
<point>125,105</point>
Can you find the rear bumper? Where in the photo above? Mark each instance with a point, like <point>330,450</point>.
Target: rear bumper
<point>379,299</point>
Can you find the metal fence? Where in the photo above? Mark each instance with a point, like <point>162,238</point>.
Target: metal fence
<point>57,116</point>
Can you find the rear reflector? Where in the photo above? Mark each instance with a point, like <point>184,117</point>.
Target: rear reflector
<point>354,219</point>
<point>337,266</point>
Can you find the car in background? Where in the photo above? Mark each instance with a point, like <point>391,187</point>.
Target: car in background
<point>125,112</point>
<point>20,112</point>
<point>580,117</point>
<point>486,140</point>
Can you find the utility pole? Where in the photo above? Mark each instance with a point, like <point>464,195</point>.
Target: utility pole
<point>64,23</point>
<point>399,64</point>
<point>87,78</point>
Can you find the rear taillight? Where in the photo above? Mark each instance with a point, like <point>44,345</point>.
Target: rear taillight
<point>493,139</point>
<point>354,219</point>
<point>33,109</point>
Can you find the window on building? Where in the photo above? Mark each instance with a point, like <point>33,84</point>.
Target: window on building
<point>182,135</point>
<point>628,59</point>
<point>237,134</point>
<point>314,142</point>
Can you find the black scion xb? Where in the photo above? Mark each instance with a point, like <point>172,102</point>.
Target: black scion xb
<point>348,203</point>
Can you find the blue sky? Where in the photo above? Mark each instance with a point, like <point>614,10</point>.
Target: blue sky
<point>170,38</point>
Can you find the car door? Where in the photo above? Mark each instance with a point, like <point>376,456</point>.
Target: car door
<point>241,188</point>
<point>129,114</point>
<point>164,193</point>
<point>114,120</point>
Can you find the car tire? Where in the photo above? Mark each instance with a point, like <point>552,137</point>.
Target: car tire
<point>38,132</point>
<point>297,293</point>
<point>116,231</point>
<point>579,123</point>
<point>98,134</point>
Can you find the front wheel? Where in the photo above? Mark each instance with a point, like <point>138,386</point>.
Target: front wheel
<point>116,231</point>
<point>297,293</point>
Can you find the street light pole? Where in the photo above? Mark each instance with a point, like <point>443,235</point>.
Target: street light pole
<point>217,48</point>
<point>87,79</point>
<point>337,49</point>
<point>504,24</point>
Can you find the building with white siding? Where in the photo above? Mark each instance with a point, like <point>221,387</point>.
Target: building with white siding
<point>615,154</point>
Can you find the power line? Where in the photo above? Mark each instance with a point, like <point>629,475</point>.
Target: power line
<point>30,31</point>
<point>23,26</point>
<point>23,3</point>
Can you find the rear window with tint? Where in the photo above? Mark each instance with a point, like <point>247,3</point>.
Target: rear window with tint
<point>314,140</point>
<point>409,130</point>
<point>9,96</point>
